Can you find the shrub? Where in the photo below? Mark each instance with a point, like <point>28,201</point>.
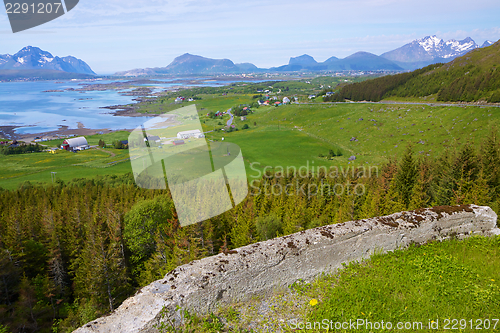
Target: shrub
<point>268,227</point>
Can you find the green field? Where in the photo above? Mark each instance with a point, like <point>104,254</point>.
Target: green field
<point>38,167</point>
<point>294,134</point>
<point>297,135</point>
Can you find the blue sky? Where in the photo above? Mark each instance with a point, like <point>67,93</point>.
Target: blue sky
<point>114,35</point>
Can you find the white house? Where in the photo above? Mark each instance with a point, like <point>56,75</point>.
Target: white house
<point>286,100</point>
<point>190,134</point>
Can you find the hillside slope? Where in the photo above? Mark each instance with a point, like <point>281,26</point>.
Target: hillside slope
<point>472,77</point>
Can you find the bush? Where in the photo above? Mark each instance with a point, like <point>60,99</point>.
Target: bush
<point>268,227</point>
<point>245,126</point>
<point>495,98</point>
<point>118,145</point>
<point>21,149</point>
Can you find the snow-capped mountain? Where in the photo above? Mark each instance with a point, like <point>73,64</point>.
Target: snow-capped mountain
<point>34,58</point>
<point>487,43</point>
<point>431,48</point>
<point>4,58</point>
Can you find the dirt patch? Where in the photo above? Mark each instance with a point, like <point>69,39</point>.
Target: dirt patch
<point>443,211</point>
<point>388,221</point>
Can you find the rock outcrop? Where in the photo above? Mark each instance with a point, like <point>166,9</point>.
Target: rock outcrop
<point>260,268</point>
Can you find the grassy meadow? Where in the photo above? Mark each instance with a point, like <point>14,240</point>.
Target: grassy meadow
<point>289,136</point>
<point>37,167</point>
<point>294,134</point>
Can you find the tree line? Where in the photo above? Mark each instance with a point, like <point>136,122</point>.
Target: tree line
<point>70,252</point>
<point>451,83</point>
<point>20,149</point>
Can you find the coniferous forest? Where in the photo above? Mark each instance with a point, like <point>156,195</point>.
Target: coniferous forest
<point>71,252</point>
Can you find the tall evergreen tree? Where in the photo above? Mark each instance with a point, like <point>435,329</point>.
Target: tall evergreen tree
<point>406,176</point>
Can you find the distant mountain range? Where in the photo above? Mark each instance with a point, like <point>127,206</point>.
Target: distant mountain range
<point>34,61</point>
<point>417,54</point>
<point>362,61</point>
<point>431,50</point>
<point>472,77</point>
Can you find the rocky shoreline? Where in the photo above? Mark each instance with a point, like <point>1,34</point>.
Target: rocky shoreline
<point>125,88</point>
<point>8,132</point>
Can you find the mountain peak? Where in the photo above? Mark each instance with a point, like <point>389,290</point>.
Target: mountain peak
<point>304,60</point>
<point>195,64</point>
<point>32,57</point>
<point>429,42</point>
<point>487,43</point>
<point>431,49</point>
<point>361,54</point>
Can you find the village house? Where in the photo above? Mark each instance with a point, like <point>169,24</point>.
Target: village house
<point>154,138</point>
<point>178,142</point>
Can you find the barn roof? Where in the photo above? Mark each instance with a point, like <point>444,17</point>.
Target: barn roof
<point>191,132</point>
<point>76,142</point>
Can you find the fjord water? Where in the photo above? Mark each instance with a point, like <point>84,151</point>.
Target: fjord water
<point>27,105</point>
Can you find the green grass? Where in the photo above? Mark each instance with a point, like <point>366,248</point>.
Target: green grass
<point>268,146</point>
<point>289,136</point>
<point>308,129</point>
<point>37,167</point>
<point>439,281</point>
<point>206,104</point>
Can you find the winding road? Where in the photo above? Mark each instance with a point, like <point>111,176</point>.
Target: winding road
<point>230,121</point>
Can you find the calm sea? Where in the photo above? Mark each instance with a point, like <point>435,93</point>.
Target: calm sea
<point>25,104</point>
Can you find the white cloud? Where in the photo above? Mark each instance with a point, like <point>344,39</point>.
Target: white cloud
<point>114,35</point>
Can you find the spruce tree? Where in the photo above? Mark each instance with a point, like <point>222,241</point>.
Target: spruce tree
<point>490,160</point>
<point>406,176</point>
<point>419,198</point>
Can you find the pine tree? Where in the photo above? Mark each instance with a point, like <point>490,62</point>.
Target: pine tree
<point>371,205</point>
<point>391,201</point>
<point>419,197</point>
<point>406,176</point>
<point>490,159</point>
<point>465,164</point>
<point>479,192</point>
<point>243,231</point>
